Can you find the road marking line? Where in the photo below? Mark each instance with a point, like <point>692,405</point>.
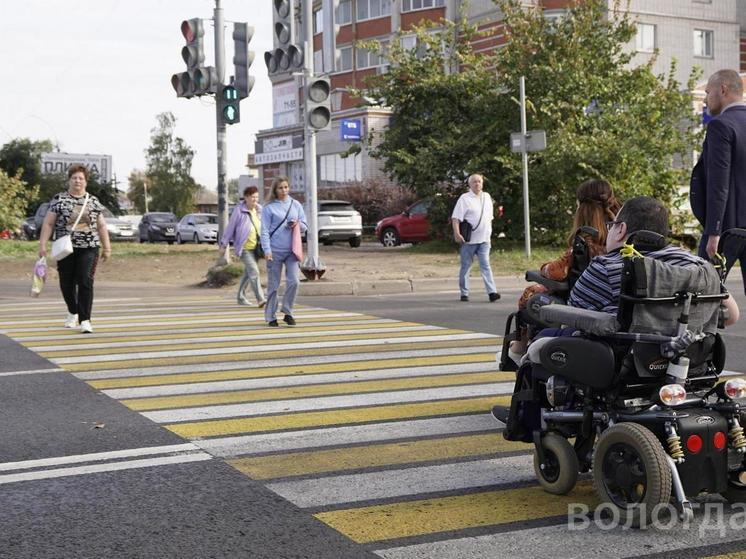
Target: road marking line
<point>282,367</point>
<point>279,345</point>
<point>357,387</point>
<point>207,413</point>
<point>426,348</point>
<point>374,455</point>
<point>429,516</point>
<point>196,332</point>
<point>304,379</point>
<point>249,335</point>
<point>368,414</point>
<point>391,484</point>
<point>293,441</point>
<point>108,467</point>
<point>97,456</point>
<point>259,342</point>
<point>32,372</point>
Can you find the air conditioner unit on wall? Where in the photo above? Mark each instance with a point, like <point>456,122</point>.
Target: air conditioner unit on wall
<point>383,69</point>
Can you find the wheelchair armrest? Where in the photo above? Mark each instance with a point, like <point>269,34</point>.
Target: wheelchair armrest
<point>592,322</point>
<point>551,285</point>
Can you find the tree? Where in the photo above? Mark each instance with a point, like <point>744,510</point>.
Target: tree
<point>603,118</point>
<point>139,185</point>
<point>14,197</point>
<point>169,166</point>
<point>24,155</point>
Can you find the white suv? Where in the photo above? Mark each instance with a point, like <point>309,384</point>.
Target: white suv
<point>339,221</point>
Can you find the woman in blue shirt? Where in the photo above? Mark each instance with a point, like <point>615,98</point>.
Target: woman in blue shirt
<point>279,217</point>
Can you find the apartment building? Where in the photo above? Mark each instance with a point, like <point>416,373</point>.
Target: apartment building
<point>710,34</point>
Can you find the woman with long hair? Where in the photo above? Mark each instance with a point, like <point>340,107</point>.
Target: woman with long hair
<point>596,204</point>
<point>279,219</point>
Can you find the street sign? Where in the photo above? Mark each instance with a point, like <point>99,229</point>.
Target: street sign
<point>534,140</point>
<point>351,129</point>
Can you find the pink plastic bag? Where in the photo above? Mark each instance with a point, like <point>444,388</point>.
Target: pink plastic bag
<point>40,275</point>
<point>297,247</point>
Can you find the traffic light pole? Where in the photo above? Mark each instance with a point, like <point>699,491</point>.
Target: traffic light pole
<point>220,125</point>
<point>311,267</point>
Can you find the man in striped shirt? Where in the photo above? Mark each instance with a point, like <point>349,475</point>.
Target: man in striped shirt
<point>598,288</point>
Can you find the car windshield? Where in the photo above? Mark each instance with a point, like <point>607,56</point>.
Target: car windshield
<point>203,219</point>
<point>162,218</point>
<point>336,207</point>
<point>107,212</point>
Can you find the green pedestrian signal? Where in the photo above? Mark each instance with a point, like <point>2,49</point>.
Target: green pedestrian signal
<point>229,110</point>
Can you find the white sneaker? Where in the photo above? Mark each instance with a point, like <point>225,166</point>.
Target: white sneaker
<point>71,321</point>
<point>85,327</point>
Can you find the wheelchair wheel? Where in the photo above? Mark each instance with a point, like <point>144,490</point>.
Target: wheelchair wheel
<point>630,472</point>
<point>560,472</point>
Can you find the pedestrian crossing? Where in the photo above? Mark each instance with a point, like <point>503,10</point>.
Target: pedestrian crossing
<point>378,428</point>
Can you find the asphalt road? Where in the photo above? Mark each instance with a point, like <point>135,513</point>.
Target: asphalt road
<point>184,427</point>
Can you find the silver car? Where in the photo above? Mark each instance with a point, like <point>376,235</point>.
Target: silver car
<point>197,228</point>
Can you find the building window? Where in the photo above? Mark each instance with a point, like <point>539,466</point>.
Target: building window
<point>318,22</point>
<point>335,169</point>
<point>345,59</point>
<point>344,12</point>
<point>371,58</point>
<point>369,9</point>
<point>318,60</point>
<point>645,37</point>
<point>410,42</point>
<point>704,43</point>
<point>412,5</point>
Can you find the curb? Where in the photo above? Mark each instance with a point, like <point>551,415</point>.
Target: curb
<point>387,287</point>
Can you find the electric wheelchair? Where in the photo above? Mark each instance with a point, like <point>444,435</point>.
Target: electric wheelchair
<point>557,293</point>
<point>637,397</point>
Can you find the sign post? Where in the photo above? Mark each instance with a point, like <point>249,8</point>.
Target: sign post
<point>524,142</point>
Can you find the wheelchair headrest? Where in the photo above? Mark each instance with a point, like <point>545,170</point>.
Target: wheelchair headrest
<point>646,240</point>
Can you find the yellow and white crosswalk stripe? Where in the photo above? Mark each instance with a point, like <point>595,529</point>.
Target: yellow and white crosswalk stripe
<point>379,428</point>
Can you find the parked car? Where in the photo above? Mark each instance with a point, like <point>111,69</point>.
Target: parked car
<point>157,226</point>
<point>198,228</point>
<point>118,228</point>
<point>338,220</point>
<point>410,226</point>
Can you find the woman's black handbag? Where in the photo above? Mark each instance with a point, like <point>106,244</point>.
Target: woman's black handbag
<point>258,250</point>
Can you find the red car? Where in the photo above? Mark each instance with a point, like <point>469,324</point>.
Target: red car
<point>410,226</point>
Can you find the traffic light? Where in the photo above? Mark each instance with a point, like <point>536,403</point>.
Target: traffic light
<point>229,109</point>
<point>286,56</point>
<point>242,58</point>
<point>318,103</point>
<point>198,79</point>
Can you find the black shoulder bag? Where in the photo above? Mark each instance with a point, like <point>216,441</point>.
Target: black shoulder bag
<point>258,250</point>
<point>465,228</point>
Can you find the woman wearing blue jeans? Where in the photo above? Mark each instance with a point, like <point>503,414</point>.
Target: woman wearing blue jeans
<point>244,229</point>
<point>279,216</point>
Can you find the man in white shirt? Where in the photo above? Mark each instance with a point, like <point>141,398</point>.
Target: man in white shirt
<point>475,207</point>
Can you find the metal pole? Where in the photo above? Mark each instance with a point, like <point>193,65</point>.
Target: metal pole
<point>311,263</point>
<point>524,155</point>
<point>220,126</point>
<point>145,189</point>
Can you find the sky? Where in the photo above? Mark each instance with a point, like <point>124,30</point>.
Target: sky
<point>91,75</point>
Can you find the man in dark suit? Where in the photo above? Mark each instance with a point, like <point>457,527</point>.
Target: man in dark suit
<point>718,186</point>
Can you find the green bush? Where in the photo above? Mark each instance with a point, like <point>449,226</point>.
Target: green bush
<point>219,276</point>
